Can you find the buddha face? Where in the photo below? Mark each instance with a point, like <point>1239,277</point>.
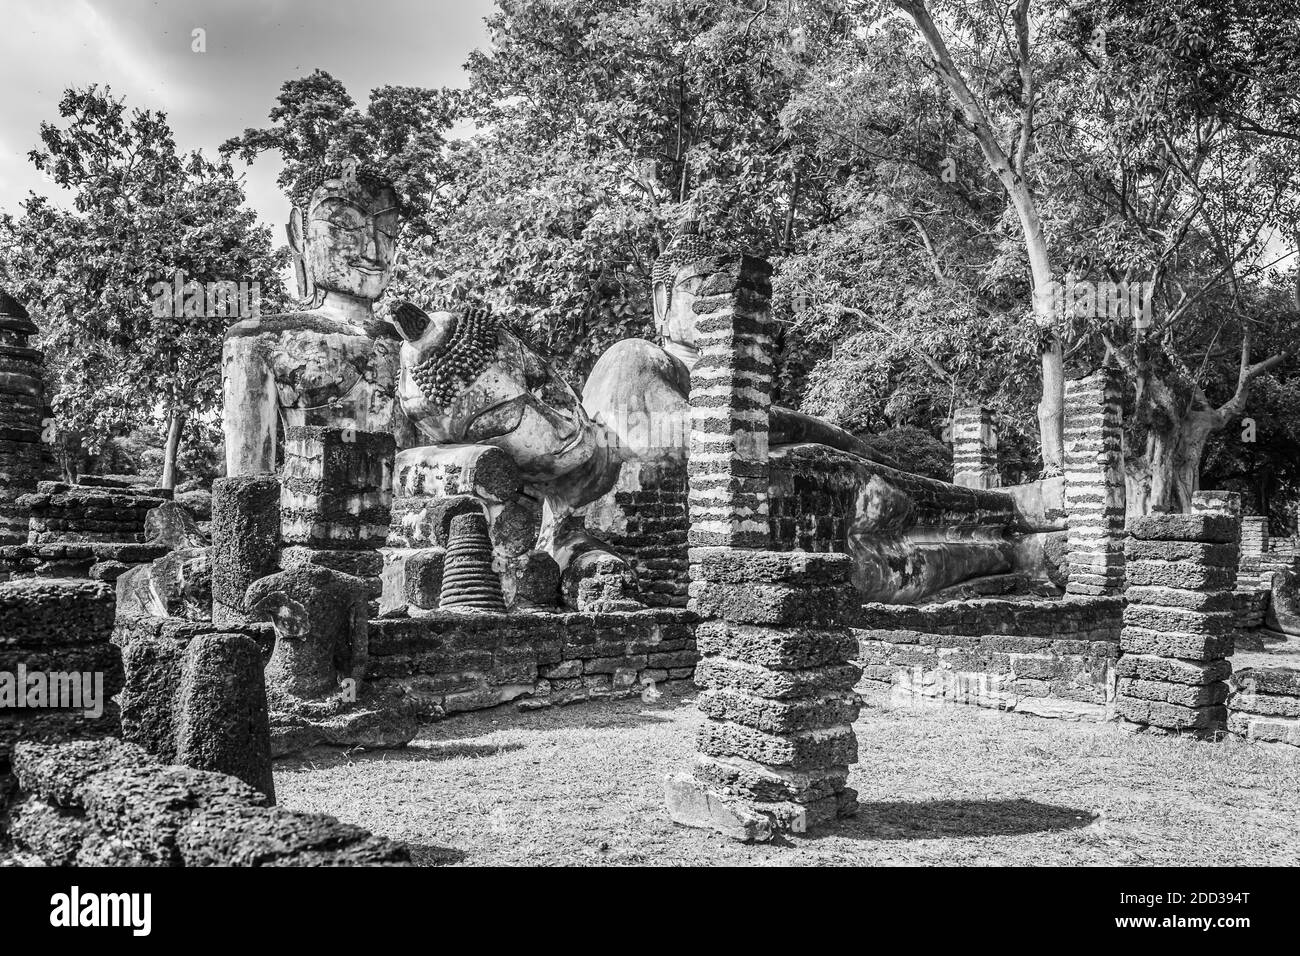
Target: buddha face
<point>349,238</point>
<point>492,390</point>
<point>674,312</point>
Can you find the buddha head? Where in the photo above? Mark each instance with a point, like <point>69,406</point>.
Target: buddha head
<point>677,277</point>
<point>466,380</point>
<point>343,231</point>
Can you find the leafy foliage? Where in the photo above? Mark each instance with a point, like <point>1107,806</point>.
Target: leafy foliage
<point>141,212</point>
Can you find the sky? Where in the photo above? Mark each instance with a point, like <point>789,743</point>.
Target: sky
<point>143,50</point>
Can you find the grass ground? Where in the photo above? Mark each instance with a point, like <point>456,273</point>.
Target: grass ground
<point>946,786</point>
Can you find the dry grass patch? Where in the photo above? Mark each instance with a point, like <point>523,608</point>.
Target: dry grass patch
<point>951,785</point>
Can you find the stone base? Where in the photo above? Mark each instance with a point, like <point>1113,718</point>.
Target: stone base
<point>364,727</point>
<point>693,804</point>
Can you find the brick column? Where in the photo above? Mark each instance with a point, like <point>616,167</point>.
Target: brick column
<point>1254,542</point>
<point>1094,484</point>
<point>245,540</point>
<point>776,669</point>
<point>22,410</point>
<point>336,500</point>
<point>974,448</point>
<point>1179,622</point>
<point>731,392</point>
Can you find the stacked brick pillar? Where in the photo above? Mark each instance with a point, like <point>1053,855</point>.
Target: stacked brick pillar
<point>22,408</point>
<point>775,669</point>
<point>1254,543</point>
<point>974,448</point>
<point>1094,484</point>
<point>336,500</point>
<point>1178,622</point>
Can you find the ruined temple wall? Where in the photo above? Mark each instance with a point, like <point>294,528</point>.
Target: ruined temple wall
<point>644,519</point>
<point>446,663</point>
<point>1264,705</point>
<point>1049,658</point>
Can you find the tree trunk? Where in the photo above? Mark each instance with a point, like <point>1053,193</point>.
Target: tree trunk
<point>1171,469</point>
<point>175,422</point>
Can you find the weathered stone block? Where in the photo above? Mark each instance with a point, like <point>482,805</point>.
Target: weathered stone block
<point>1206,527</point>
<point>1196,647</point>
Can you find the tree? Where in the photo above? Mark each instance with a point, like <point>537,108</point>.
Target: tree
<point>1128,145</point>
<point>142,215</point>
<point>601,125</point>
<point>400,133</point>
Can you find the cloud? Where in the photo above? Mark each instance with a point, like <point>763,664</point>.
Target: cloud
<point>142,49</point>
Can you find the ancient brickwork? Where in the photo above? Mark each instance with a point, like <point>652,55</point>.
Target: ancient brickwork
<point>90,512</point>
<point>1264,705</point>
<point>1254,543</point>
<point>1094,484</point>
<point>1046,658</point>
<point>974,448</point>
<point>777,676</point>
<point>731,393</point>
<point>335,488</point>
<point>22,409</point>
<point>775,750</point>
<point>98,560</point>
<point>109,803</point>
<point>444,663</point>
<point>1179,621</point>
<point>54,627</point>
<point>646,524</point>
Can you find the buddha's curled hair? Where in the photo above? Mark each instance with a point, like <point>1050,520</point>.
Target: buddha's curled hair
<point>367,176</point>
<point>459,358</point>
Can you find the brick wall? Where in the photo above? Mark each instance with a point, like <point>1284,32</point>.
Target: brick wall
<point>1050,658</point>
<point>447,663</point>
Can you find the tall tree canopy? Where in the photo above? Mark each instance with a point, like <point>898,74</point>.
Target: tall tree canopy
<point>141,213</point>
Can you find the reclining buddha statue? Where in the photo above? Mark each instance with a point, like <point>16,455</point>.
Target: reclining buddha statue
<point>466,381</point>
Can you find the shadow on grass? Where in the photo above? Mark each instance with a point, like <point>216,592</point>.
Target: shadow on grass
<point>585,715</point>
<point>937,819</point>
<point>425,750</point>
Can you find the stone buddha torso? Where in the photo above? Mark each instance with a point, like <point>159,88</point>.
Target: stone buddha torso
<point>336,365</point>
<point>309,369</point>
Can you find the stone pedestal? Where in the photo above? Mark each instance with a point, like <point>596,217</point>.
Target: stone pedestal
<point>1179,622</point>
<point>200,702</point>
<point>974,448</point>
<point>335,488</point>
<point>245,540</point>
<point>777,672</point>
<point>58,668</point>
<point>775,751</point>
<point>1094,484</point>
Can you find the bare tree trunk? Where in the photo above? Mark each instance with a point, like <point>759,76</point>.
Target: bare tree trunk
<point>175,423</point>
<point>1011,172</point>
